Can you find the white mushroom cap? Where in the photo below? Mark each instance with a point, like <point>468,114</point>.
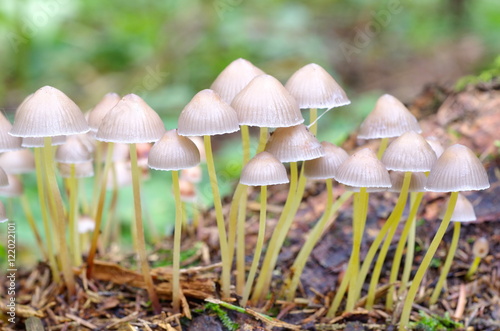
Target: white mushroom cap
<point>294,143</point>
<point>262,170</point>
<point>173,152</point>
<point>363,169</point>
<point>463,212</point>
<point>457,169</point>
<point>409,152</point>
<point>313,87</point>
<point>326,166</point>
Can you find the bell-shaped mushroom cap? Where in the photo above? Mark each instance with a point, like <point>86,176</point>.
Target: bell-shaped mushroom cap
<point>263,169</point>
<point>173,152</point>
<point>463,212</point>
<point>17,162</point>
<point>265,102</point>
<point>481,247</point>
<point>326,166</point>
<point>294,143</point>
<point>35,142</point>
<point>4,179</point>
<point>389,118</point>
<point>3,214</point>
<point>207,115</point>
<point>97,114</point>
<point>313,87</point>
<point>73,151</point>
<point>198,141</point>
<point>457,169</point>
<point>435,145</point>
<point>14,189</point>
<point>409,152</point>
<point>417,181</point>
<point>7,142</point>
<point>48,113</point>
<point>82,170</point>
<point>363,169</point>
<point>131,121</point>
<point>234,78</point>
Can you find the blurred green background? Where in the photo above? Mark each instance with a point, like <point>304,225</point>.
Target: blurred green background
<point>166,51</point>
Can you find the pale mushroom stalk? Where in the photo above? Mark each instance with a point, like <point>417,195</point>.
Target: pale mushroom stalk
<point>98,173</point>
<point>225,255</point>
<point>480,249</point>
<point>394,221</point>
<point>240,248</point>
<point>417,280</point>
<point>408,232</point>
<point>447,264</point>
<point>360,209</point>
<point>141,244</point>
<point>176,290</point>
<point>32,224</point>
<point>259,245</point>
<point>382,147</point>
<point>313,238</point>
<point>262,139</point>
<point>72,215</point>
<point>57,205</point>
<point>39,170</point>
<point>99,210</point>
<point>264,279</point>
<point>106,236</point>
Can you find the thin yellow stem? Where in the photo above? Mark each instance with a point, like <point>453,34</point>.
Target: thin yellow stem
<point>245,141</point>
<point>31,222</point>
<point>98,172</point>
<point>56,202</point>
<point>240,247</point>
<point>394,219</point>
<point>383,146</point>
<point>239,197</point>
<point>177,243</point>
<point>39,170</point>
<point>415,199</point>
<point>268,265</point>
<point>417,280</point>
<point>447,264</point>
<point>313,115</point>
<point>226,266</point>
<point>73,211</point>
<point>106,236</point>
<point>259,245</point>
<point>312,239</point>
<point>473,268</point>
<point>262,140</point>
<point>141,244</point>
<point>98,211</point>
<point>360,213</point>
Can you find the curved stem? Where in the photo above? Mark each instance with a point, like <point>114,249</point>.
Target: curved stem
<point>360,213</point>
<point>267,265</point>
<point>57,205</point>
<point>31,222</point>
<point>394,219</point>
<point>98,172</point>
<point>73,211</point>
<point>240,248</point>
<point>312,239</point>
<point>417,280</point>
<point>177,243</point>
<point>141,244</point>
<point>262,140</point>
<point>447,264</point>
<point>226,266</point>
<point>39,170</point>
<point>258,248</point>
<point>98,211</point>
<point>245,141</point>
<point>238,198</point>
<point>313,115</point>
<point>383,145</point>
<point>415,199</point>
<point>473,268</point>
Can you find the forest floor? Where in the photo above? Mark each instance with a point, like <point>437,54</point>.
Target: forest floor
<point>116,299</point>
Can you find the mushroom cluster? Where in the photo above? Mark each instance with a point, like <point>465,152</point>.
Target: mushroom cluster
<point>242,96</point>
